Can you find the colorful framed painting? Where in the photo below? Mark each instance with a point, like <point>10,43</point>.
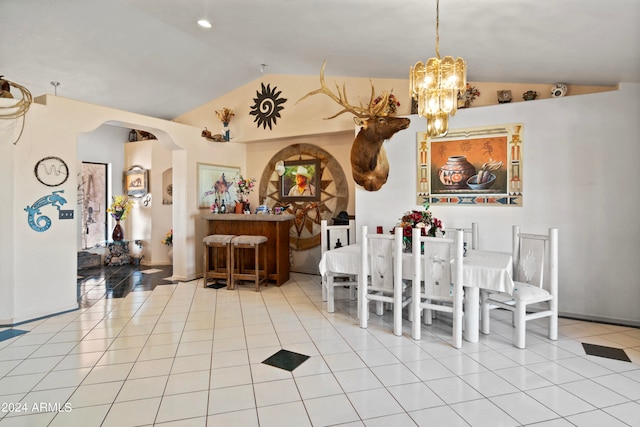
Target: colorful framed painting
<point>473,166</point>
<point>216,183</point>
<point>299,182</point>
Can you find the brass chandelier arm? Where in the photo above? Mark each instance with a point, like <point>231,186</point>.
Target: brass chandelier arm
<point>438,29</point>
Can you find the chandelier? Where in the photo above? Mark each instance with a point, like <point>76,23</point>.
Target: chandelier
<point>435,85</point>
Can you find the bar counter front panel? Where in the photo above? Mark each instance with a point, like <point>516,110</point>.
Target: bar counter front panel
<point>274,227</point>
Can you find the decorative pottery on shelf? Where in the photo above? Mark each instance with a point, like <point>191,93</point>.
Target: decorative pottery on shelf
<point>504,96</point>
<point>118,233</point>
<point>239,207</point>
<point>456,172</point>
<point>530,95</point>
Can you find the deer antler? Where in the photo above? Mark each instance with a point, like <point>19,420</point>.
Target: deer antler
<point>371,110</point>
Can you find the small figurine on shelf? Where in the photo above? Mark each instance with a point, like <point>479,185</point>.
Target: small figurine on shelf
<point>214,207</point>
<point>504,96</point>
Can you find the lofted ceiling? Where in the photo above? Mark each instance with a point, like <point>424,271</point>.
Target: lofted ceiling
<point>150,57</point>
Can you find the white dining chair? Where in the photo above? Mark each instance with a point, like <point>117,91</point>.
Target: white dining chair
<point>332,236</point>
<point>535,294</point>
<point>437,281</point>
<point>381,276</point>
<point>471,235</point>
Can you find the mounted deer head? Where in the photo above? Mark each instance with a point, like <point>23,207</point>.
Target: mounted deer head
<point>369,164</point>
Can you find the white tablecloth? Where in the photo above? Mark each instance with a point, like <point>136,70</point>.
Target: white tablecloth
<point>481,269</point>
<point>344,260</point>
<point>488,270</point>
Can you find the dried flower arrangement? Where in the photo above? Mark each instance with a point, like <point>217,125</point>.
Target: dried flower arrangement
<point>225,115</point>
<point>466,98</point>
<point>392,103</point>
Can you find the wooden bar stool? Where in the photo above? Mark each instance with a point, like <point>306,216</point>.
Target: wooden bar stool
<point>238,269</point>
<point>213,268</point>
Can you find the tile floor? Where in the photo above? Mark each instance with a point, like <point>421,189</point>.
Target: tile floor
<point>178,354</point>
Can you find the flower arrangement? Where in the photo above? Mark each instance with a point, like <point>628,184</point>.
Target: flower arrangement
<point>392,106</point>
<point>244,186</point>
<point>424,220</point>
<point>168,239</point>
<point>225,115</point>
<point>120,207</point>
<point>468,96</point>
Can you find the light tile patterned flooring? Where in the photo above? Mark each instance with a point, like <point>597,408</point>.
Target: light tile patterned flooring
<point>182,355</point>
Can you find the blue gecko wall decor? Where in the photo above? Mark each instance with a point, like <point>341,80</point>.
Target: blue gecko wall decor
<point>42,223</point>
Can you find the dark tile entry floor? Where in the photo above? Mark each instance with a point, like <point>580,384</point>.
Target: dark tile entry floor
<point>285,359</point>
<point>10,333</point>
<point>608,352</point>
<point>216,285</point>
<point>117,282</point>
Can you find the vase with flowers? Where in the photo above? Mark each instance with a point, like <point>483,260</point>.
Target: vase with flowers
<point>466,98</point>
<point>168,241</point>
<point>119,210</point>
<point>424,220</point>
<point>244,187</point>
<point>225,116</point>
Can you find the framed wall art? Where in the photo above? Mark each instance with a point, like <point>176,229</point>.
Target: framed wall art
<point>216,184</point>
<point>299,182</point>
<point>136,181</point>
<point>94,203</point>
<point>473,166</point>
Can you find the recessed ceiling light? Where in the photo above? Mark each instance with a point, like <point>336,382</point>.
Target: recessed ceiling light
<point>204,23</point>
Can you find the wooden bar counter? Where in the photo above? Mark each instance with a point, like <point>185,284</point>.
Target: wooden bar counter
<point>273,227</point>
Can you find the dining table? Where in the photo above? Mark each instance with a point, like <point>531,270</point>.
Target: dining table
<point>490,270</point>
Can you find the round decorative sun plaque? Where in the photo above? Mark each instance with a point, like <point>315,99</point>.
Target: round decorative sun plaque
<point>51,171</point>
<point>267,106</point>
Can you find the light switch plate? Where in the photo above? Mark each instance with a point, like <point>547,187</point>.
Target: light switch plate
<point>65,214</point>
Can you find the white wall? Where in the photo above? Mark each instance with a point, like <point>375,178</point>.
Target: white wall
<point>9,130</point>
<point>580,159</point>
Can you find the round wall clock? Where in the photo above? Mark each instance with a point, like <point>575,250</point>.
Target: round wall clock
<point>51,171</point>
